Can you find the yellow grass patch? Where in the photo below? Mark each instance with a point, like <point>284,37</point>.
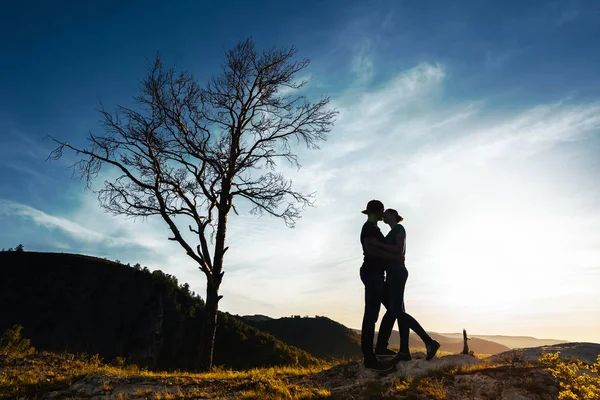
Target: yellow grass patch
<point>26,375</point>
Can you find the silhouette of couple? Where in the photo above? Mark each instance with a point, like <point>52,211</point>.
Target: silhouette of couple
<point>384,275</point>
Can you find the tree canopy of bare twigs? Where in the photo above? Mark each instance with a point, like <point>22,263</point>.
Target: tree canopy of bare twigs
<point>186,152</point>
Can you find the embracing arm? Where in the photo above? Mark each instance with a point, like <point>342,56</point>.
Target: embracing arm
<point>380,253</point>
<point>393,248</point>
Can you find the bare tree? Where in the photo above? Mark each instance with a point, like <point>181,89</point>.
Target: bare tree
<point>187,152</point>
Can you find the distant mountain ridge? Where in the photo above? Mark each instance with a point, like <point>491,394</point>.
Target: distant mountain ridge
<point>483,344</point>
<point>511,342</point>
<point>450,344</point>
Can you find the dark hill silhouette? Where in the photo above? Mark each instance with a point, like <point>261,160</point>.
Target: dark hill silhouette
<point>319,336</point>
<point>75,303</point>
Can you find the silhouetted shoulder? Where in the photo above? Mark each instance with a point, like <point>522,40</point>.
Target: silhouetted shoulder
<point>400,229</point>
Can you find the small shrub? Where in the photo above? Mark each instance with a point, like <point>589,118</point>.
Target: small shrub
<point>11,343</point>
<point>577,380</point>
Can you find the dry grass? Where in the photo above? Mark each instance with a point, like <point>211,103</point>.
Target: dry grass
<point>30,375</point>
<point>26,375</point>
<point>432,388</point>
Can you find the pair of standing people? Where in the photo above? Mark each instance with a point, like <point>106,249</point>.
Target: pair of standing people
<point>384,275</point>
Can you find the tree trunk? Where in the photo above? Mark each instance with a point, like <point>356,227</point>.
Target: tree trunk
<point>209,327</point>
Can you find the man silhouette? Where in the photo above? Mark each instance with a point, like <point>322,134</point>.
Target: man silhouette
<point>372,276</point>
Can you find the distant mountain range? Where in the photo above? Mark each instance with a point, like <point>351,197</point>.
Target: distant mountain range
<point>483,344</point>
<point>511,342</point>
<point>448,344</point>
<point>77,303</point>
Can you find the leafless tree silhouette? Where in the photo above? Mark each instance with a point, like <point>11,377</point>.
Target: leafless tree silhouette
<point>187,152</point>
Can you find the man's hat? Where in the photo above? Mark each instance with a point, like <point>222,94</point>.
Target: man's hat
<point>373,206</point>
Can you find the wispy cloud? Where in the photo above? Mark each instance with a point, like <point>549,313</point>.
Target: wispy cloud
<point>16,142</point>
<point>76,230</point>
<point>362,64</point>
<point>369,117</point>
<point>31,172</point>
<point>532,131</point>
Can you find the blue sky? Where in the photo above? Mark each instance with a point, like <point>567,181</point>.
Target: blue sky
<point>478,120</point>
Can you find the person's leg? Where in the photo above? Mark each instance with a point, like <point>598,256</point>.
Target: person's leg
<point>397,280</point>
<point>373,298</point>
<point>404,334</point>
<point>386,326</point>
<point>397,283</point>
<point>403,328</point>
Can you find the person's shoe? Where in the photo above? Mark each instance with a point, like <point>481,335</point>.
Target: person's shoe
<point>385,352</point>
<point>376,365</point>
<point>432,348</point>
<point>401,356</point>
